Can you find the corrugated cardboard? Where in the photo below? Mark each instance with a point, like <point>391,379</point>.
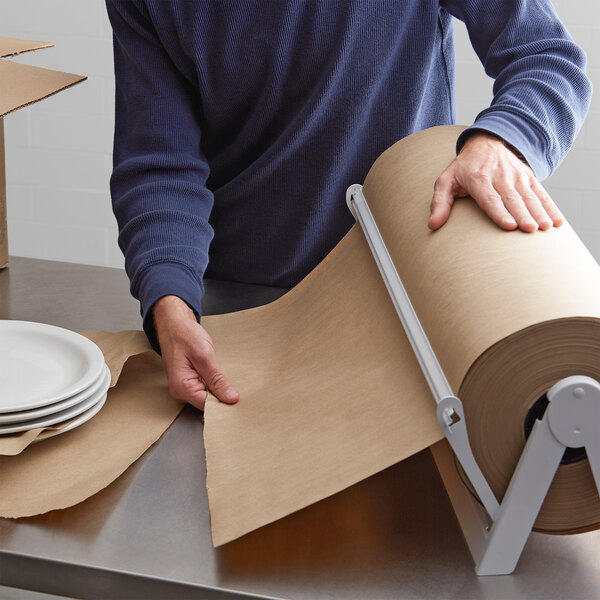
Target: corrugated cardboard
<point>3,231</point>
<point>22,85</point>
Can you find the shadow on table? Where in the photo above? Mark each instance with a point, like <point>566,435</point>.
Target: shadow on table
<point>391,520</point>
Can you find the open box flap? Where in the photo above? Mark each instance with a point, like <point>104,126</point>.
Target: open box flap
<point>12,46</point>
<point>27,84</point>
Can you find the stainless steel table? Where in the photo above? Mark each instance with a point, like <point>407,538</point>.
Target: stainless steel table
<point>147,535</point>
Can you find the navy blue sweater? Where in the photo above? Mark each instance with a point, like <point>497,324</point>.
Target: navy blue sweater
<point>240,123</point>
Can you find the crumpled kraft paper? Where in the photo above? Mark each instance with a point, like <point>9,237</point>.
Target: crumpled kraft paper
<point>330,390</point>
<point>117,348</point>
<point>68,468</point>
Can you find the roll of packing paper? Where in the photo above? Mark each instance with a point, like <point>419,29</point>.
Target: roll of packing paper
<point>508,315</point>
<point>341,396</point>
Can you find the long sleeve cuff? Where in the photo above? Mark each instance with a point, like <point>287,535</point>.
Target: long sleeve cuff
<point>166,279</point>
<point>519,134</point>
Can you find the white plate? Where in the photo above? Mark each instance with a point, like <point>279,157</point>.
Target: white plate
<point>82,418</point>
<point>63,415</point>
<point>101,384</point>
<point>41,364</point>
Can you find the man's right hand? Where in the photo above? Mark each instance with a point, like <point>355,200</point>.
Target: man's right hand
<point>189,355</point>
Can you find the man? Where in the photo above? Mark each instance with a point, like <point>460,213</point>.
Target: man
<point>247,119</point>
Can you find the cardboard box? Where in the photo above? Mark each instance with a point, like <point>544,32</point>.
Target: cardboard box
<point>21,85</point>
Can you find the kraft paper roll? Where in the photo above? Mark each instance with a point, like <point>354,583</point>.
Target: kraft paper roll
<point>517,371</point>
<point>331,392</point>
<point>508,315</point>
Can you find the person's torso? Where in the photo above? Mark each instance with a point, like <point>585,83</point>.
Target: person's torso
<point>297,98</point>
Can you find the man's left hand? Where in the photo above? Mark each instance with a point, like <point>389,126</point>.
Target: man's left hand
<point>503,186</point>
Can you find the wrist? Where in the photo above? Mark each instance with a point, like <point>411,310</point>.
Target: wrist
<point>482,137</point>
<point>172,305</point>
<point>169,310</point>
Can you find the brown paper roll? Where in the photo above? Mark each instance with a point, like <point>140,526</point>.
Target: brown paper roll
<point>508,314</point>
<point>498,392</point>
<point>330,389</point>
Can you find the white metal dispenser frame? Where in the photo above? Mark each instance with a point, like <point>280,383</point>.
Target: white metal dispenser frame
<point>495,536</point>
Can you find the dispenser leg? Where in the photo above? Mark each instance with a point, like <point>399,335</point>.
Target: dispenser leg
<point>522,501</point>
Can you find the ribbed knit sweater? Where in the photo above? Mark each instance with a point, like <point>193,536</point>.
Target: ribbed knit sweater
<point>240,123</point>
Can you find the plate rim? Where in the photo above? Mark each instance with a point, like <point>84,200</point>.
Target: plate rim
<point>77,421</point>
<point>42,411</point>
<point>49,420</point>
<point>85,345</point>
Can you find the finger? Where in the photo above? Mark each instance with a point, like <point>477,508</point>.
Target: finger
<point>549,206</point>
<point>534,205</point>
<point>206,365</point>
<point>516,206</point>
<point>489,200</point>
<point>441,203</point>
<point>186,386</point>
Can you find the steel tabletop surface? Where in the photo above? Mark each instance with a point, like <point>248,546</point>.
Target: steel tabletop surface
<point>147,535</point>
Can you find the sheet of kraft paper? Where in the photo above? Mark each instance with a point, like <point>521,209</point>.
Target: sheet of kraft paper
<point>67,469</point>
<point>331,392</point>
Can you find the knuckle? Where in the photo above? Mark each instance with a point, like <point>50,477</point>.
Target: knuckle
<point>184,390</point>
<point>541,192</point>
<point>216,380</point>
<point>527,175</point>
<point>513,198</point>
<point>480,177</point>
<point>177,393</point>
<point>201,353</point>
<point>524,183</point>
<point>437,200</point>
<point>532,200</point>
<point>489,200</point>
<point>441,181</point>
<point>549,202</point>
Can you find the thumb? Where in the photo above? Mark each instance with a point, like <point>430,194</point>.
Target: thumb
<point>216,382</point>
<point>442,201</point>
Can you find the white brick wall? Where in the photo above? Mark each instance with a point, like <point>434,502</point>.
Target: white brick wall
<point>574,186</point>
<point>59,151</point>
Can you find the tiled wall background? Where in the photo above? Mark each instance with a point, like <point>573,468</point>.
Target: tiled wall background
<point>574,186</point>
<point>59,151</point>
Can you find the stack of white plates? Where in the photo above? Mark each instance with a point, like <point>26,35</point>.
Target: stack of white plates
<point>49,377</point>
